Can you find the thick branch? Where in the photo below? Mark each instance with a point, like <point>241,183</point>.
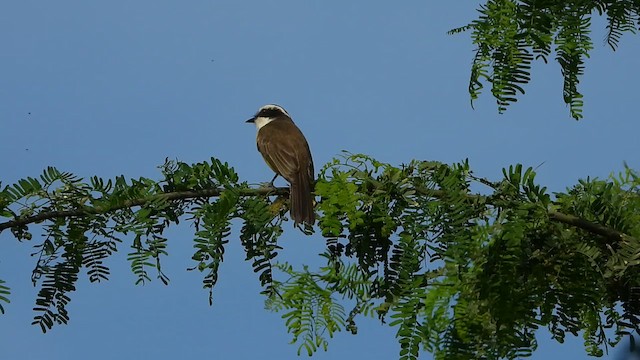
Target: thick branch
<point>178,195</point>
<point>587,225</point>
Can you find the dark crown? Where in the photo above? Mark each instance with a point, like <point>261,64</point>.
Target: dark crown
<point>271,111</point>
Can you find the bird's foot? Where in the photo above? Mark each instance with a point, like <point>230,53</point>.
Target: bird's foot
<point>267,185</point>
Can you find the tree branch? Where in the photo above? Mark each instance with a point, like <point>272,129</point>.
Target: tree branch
<point>588,226</point>
<point>556,216</point>
<point>178,195</point>
<point>278,191</point>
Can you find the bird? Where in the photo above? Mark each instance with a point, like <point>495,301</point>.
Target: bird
<point>286,151</point>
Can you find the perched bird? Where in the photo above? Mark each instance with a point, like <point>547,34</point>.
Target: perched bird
<point>287,153</point>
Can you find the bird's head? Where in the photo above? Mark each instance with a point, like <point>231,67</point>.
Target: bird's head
<point>267,114</point>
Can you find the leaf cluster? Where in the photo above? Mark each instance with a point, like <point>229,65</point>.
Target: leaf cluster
<point>510,34</point>
<point>86,221</point>
<point>467,275</point>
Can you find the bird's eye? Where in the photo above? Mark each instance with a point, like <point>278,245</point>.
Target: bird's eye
<point>268,113</point>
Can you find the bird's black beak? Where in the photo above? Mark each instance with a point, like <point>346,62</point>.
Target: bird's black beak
<point>252,120</point>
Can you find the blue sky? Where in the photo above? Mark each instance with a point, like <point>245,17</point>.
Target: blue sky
<point>111,88</point>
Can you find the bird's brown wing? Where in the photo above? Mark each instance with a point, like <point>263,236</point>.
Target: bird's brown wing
<point>280,144</point>
<point>286,151</point>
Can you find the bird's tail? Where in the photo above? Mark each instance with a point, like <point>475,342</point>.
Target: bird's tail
<point>301,198</point>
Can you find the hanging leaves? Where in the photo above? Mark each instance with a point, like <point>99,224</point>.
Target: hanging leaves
<point>510,34</point>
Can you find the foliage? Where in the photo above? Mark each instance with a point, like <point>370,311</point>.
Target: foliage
<point>459,272</point>
<point>87,221</point>
<point>510,34</point>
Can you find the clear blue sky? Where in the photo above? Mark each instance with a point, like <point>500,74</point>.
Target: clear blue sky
<point>114,87</point>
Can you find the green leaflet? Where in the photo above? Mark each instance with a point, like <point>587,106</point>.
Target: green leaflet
<point>5,291</point>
